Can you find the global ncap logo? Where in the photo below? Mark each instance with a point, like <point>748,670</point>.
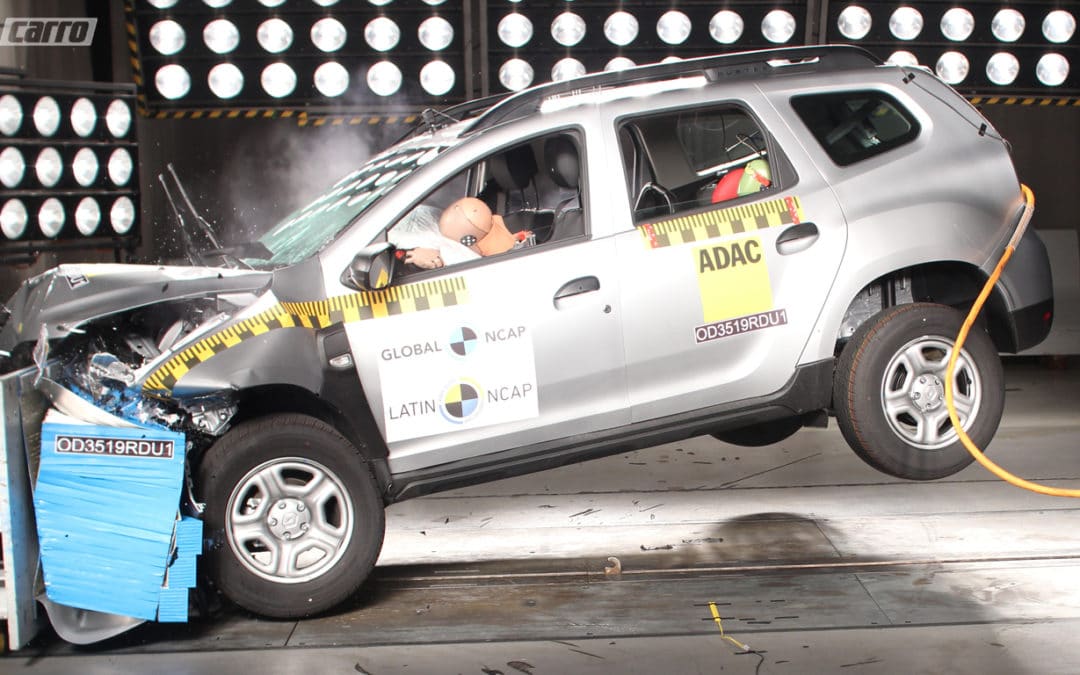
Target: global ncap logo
<point>461,401</point>
<point>463,341</point>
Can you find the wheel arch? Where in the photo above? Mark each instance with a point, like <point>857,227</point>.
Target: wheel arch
<point>952,283</point>
<point>358,427</point>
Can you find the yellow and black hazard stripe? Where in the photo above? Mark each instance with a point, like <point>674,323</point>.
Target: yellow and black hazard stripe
<point>312,315</point>
<point>224,113</point>
<point>722,222</point>
<point>1041,101</point>
<point>133,54</point>
<point>302,118</point>
<point>315,120</point>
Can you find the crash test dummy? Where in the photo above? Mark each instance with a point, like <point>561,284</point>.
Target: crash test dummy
<point>471,223</point>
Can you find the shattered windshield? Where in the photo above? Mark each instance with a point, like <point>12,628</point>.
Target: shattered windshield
<point>308,229</point>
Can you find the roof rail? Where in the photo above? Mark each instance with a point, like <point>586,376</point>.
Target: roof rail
<point>761,62</point>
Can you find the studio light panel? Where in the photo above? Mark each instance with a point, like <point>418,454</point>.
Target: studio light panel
<point>977,45</point>
<point>68,164</point>
<point>201,54</point>
<point>531,43</point>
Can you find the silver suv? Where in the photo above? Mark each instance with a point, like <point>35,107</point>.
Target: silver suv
<point>738,245</point>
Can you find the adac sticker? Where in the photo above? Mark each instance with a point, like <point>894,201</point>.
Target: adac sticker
<point>458,375</point>
<point>733,277</point>
<point>736,294</point>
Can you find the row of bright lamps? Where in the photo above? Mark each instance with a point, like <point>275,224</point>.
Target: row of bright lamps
<point>51,216</point>
<point>275,35</point>
<point>621,28</point>
<point>47,116</point>
<point>49,167</point>
<point>1002,68</point>
<point>278,79</point>
<point>957,24</point>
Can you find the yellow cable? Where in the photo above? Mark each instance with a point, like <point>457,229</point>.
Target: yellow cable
<point>1001,473</point>
<point>716,618</point>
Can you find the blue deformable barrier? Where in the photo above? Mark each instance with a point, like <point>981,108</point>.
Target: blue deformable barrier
<point>106,502</point>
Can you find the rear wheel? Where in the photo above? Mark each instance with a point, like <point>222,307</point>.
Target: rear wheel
<point>889,391</point>
<point>294,515</point>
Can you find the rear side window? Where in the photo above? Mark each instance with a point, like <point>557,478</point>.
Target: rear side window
<point>855,125</point>
<point>714,138</point>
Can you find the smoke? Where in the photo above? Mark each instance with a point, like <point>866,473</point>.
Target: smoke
<point>275,168</point>
<point>244,175</point>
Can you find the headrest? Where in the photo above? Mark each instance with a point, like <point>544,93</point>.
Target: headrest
<point>561,158</point>
<point>513,169</point>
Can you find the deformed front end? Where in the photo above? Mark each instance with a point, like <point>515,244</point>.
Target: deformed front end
<point>98,332</point>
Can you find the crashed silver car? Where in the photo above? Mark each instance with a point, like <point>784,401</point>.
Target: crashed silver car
<point>739,246</point>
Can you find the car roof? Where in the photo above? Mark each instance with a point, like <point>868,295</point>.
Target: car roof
<point>753,65</point>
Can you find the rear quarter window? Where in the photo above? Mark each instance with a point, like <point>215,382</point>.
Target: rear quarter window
<point>855,125</point>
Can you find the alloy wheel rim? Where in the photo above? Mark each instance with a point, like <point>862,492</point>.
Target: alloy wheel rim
<point>913,392</point>
<point>289,520</point>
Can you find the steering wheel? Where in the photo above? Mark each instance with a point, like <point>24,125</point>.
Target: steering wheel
<point>654,187</point>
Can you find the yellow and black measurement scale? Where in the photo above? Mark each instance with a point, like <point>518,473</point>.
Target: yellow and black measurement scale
<point>722,222</point>
<point>312,315</point>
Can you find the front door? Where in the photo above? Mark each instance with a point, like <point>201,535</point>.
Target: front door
<point>502,352</point>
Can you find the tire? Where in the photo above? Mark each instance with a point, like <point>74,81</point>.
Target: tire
<point>760,435</point>
<point>293,514</point>
<point>888,391</point>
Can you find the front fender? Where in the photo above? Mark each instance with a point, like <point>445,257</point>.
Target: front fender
<point>296,360</point>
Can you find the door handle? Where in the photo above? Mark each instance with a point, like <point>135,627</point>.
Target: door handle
<point>797,238</point>
<point>576,287</point>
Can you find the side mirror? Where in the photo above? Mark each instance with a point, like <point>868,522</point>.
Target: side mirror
<point>372,269</point>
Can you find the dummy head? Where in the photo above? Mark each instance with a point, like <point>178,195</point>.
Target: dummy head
<point>470,221</point>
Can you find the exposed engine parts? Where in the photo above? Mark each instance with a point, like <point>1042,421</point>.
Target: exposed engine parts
<point>105,362</point>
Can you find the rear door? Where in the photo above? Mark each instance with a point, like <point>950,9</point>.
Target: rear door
<point>719,298</point>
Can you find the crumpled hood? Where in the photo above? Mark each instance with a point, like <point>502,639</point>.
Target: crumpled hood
<point>70,295</point>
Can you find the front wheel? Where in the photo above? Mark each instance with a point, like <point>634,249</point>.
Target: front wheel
<point>293,513</point>
<point>889,391</point>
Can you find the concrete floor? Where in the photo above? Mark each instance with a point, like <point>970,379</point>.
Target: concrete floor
<point>818,562</point>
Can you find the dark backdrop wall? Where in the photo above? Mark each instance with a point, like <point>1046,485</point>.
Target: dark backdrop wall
<point>1046,149</point>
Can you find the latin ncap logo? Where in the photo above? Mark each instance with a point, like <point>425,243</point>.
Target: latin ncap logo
<point>47,32</point>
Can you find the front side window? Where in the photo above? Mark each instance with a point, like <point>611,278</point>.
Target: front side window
<point>521,196</point>
<point>308,229</point>
<point>856,125</point>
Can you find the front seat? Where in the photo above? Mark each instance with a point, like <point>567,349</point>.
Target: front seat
<point>514,172</point>
<point>564,167</point>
